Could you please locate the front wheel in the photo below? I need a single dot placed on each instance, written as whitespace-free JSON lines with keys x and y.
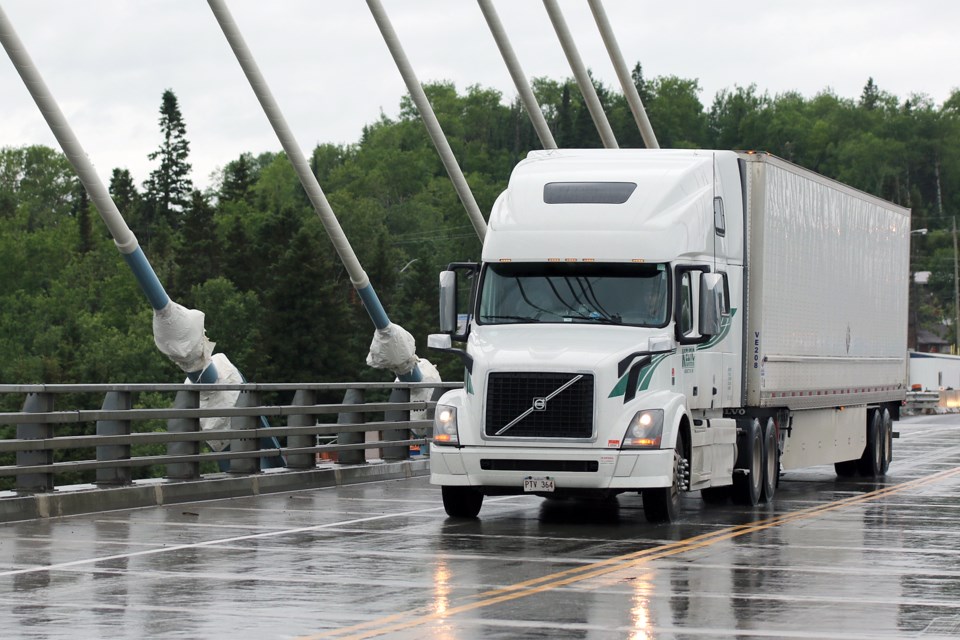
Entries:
{"x":461,"y":502}
{"x":662,"y":504}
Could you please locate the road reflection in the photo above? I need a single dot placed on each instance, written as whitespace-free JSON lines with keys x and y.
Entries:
{"x":640,"y":607}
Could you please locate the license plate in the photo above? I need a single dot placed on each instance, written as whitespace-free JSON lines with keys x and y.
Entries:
{"x":539,"y":485}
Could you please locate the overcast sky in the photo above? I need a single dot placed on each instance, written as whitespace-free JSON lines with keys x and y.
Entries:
{"x":107,"y":62}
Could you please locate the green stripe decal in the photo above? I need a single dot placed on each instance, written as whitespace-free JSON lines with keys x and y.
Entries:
{"x":644,"y":380}
{"x":725,"y":323}
{"x":646,"y":374}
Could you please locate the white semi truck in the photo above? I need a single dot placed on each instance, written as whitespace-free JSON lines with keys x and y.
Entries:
{"x":664,"y":321}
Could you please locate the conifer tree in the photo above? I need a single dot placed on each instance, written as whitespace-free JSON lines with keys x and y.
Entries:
{"x":126,"y":197}
{"x":167,"y":190}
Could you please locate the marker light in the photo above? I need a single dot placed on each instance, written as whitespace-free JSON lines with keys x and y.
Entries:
{"x":645,"y":430}
{"x":445,"y":425}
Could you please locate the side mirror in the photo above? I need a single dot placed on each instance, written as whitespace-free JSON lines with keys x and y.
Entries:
{"x":712,"y":303}
{"x":448,"y":302}
{"x":457,"y":292}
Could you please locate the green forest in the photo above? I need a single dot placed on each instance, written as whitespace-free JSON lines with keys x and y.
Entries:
{"x":252,"y":255}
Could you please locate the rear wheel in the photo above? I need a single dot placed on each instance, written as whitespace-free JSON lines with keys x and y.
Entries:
{"x":771,"y":461}
{"x":886,"y":430}
{"x":871,"y":462}
{"x":662,"y":504}
{"x":461,"y":502}
{"x":748,"y":471}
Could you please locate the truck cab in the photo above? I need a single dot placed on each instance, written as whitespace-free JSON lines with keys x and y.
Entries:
{"x":600,"y":334}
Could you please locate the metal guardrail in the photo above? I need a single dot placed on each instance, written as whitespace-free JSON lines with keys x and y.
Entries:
{"x":110,"y":435}
{"x":926,"y":402}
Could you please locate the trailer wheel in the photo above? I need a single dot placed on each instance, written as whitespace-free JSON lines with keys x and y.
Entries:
{"x":662,"y":504}
{"x":461,"y":502}
{"x":871,"y":462}
{"x":748,"y":471}
{"x":771,"y":461}
{"x":886,"y":426}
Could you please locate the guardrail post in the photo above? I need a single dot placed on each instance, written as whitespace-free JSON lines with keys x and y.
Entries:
{"x":114,"y":401}
{"x":391,"y":435}
{"x":302,"y":398}
{"x":35,"y":403}
{"x":184,"y":470}
{"x":240,"y":445}
{"x":353,"y":456}
{"x":428,"y":415}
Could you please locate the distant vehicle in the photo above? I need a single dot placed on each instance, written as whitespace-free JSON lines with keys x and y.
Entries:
{"x":662,"y":321}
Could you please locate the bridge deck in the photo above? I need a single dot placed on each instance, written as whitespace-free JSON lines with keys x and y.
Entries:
{"x":844,"y":559}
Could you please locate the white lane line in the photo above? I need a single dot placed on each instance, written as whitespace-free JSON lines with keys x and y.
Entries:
{"x":212,"y":543}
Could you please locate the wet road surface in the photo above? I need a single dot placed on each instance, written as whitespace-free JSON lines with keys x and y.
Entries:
{"x":830,"y":559}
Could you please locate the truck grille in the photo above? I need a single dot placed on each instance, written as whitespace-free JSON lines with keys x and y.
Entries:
{"x":569,"y":414}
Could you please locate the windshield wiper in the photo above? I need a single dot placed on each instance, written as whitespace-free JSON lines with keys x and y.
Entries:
{"x":595,"y":317}
{"x":488,"y":318}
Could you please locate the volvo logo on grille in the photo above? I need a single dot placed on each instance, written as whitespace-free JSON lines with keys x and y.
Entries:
{"x":540,"y":404}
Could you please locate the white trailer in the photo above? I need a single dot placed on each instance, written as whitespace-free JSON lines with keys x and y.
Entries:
{"x":934,"y":371}
{"x":665,"y":321}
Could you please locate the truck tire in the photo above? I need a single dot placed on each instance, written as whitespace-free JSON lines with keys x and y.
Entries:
{"x":461,"y":502}
{"x":662,"y":504}
{"x":748,"y":471}
{"x":886,"y":427}
{"x":871,"y":462}
{"x":771,"y":461}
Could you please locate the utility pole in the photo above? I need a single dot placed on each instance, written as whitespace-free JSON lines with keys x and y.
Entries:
{"x":956,"y":289}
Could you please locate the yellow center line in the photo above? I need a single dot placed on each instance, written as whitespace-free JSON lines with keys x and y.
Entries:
{"x":423,"y":615}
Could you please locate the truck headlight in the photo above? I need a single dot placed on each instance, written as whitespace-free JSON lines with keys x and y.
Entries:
{"x":645,"y":430}
{"x":445,"y":425}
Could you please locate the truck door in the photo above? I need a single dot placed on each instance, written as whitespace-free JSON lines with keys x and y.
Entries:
{"x":701,"y":363}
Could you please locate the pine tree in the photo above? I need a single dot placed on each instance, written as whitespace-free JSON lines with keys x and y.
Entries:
{"x":200,"y":250}
{"x":82,"y":214}
{"x":870,"y":95}
{"x":238,"y":178}
{"x":167,"y":190}
{"x":126,"y":197}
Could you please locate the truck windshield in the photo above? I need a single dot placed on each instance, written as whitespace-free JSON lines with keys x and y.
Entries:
{"x":582,"y":292}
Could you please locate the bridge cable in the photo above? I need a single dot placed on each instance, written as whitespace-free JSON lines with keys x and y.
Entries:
{"x":358,"y":277}
{"x":623,"y":74}
{"x":587,"y":89}
{"x":429,"y":118}
{"x":516,"y":72}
